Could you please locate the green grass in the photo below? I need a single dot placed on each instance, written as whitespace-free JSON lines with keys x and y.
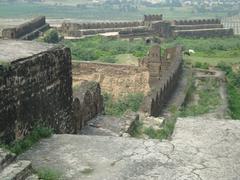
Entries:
{"x":209,"y":99}
{"x":103,"y":49}
{"x":167,"y":128}
{"x":233,"y":89}
{"x":209,"y":50}
{"x":119,"y":106}
{"x":49,"y":174}
{"x":20,"y":146}
{"x":211,"y":61}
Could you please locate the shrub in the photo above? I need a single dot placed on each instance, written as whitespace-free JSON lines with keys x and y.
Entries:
{"x":20,"y":146}
{"x":48,"y":174}
{"x":51,"y":36}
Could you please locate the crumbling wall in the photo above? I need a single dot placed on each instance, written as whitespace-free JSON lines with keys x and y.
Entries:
{"x":115,"y":79}
{"x":165,"y":71}
{"x":87,"y":104}
{"x":36,"y":90}
{"x":26,"y":31}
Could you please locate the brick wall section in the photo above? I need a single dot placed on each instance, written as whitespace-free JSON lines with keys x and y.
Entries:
{"x":87,"y":104}
{"x":36,"y":90}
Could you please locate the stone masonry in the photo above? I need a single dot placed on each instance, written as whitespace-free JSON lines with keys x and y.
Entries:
{"x":164,"y":73}
{"x":87,"y":103}
{"x":26,"y":31}
{"x":35,"y":88}
{"x":152,"y":25}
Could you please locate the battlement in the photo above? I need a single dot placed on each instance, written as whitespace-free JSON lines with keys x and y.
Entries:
{"x":154,"y":17}
{"x":197,"y":22}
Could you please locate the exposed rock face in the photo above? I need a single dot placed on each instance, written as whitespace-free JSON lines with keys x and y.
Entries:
{"x":35,"y":88}
{"x":115,"y":79}
{"x":87,"y":104}
{"x":26,"y":31}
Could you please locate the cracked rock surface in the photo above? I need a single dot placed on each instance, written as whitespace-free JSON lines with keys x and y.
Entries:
{"x":200,"y":150}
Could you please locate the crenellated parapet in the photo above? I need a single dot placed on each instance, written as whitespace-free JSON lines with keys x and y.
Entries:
{"x":164,"y":71}
{"x":87,"y":103}
{"x":197,"y":22}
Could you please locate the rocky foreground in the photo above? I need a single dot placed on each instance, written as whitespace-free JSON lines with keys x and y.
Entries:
{"x":200,"y":149}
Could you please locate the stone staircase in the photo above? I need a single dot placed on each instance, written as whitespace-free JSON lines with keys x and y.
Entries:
{"x":12,"y":169}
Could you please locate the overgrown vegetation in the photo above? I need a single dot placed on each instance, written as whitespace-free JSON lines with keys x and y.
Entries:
{"x":233,"y":89}
{"x":119,"y":106}
{"x":105,"y":49}
{"x":166,"y":130}
{"x":20,"y":146}
{"x":48,"y":174}
{"x":201,"y":65}
{"x":137,"y":129}
{"x":202,"y":100}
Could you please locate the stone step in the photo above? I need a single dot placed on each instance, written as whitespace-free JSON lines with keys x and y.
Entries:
{"x":5,"y":158}
{"x":18,"y":170}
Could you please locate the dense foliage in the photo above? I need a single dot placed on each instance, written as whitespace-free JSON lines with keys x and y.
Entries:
{"x":105,"y":49}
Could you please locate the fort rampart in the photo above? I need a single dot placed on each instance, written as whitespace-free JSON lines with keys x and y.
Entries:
{"x":151,"y":25}
{"x":35,"y":89}
{"x":87,"y":103}
{"x":156,"y":76}
{"x":26,"y":31}
{"x":164,"y":73}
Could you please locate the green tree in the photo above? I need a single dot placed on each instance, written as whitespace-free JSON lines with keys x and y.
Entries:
{"x":51,"y":36}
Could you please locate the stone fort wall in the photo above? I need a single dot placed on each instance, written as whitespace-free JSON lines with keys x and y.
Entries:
{"x":197,"y":22}
{"x":164,"y":73}
{"x":36,"y":90}
{"x":156,"y":76}
{"x":115,"y":79}
{"x":26,"y":31}
{"x":87,"y":103}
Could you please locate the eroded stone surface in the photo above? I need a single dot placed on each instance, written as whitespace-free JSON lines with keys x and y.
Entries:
{"x":28,"y":48}
{"x":200,"y":149}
